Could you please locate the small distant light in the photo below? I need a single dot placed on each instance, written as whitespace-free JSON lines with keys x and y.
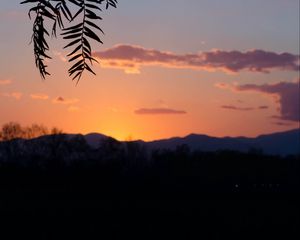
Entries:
{"x":236,"y":185}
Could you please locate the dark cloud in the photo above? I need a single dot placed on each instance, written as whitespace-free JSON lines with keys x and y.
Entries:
{"x":286,"y":94}
{"x":237,"y":108}
{"x":158,"y":111}
{"x":60,"y":99}
{"x":65,"y":101}
{"x":131,"y":58}
{"x":255,"y":60}
{"x":263,"y":107}
{"x":231,"y":107}
{"x":287,"y":124}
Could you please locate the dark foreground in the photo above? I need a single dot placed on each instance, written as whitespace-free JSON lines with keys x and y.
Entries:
{"x":176,"y":195}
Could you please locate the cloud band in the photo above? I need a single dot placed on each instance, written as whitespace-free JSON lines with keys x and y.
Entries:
{"x":131,"y":58}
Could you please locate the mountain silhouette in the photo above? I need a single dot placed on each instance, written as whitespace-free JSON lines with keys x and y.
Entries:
{"x":94,"y":139}
{"x":281,"y":143}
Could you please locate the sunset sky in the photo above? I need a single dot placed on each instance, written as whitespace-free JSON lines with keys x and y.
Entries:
{"x":168,"y":68}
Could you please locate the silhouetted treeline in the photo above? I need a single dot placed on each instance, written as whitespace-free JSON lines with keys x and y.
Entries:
{"x":227,"y":169}
{"x":123,"y":190}
{"x":14,"y":130}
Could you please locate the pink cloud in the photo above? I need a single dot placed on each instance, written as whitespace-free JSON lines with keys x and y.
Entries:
{"x":39,"y":96}
{"x":15,"y":95}
{"x":5,"y":82}
{"x":60,"y":56}
{"x":131,"y":58}
{"x":158,"y":111}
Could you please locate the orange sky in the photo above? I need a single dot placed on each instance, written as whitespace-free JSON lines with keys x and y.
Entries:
{"x":161,"y":76}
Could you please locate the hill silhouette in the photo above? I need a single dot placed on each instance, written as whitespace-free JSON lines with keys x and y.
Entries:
{"x":95,"y":187}
{"x":281,"y":143}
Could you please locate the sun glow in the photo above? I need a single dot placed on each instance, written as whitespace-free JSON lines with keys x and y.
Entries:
{"x":118,"y":128}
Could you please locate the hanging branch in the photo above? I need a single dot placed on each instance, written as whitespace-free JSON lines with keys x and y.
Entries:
{"x":79,"y":35}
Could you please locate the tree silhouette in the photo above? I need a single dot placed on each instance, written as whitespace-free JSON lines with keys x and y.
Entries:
{"x":14,"y":130}
{"x":11,"y":130}
{"x":79,"y":33}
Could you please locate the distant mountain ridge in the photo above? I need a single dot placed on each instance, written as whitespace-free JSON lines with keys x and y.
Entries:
{"x":94,"y":139}
{"x":281,"y":143}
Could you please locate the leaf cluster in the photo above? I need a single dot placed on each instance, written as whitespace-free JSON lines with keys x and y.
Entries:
{"x":79,"y":34}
